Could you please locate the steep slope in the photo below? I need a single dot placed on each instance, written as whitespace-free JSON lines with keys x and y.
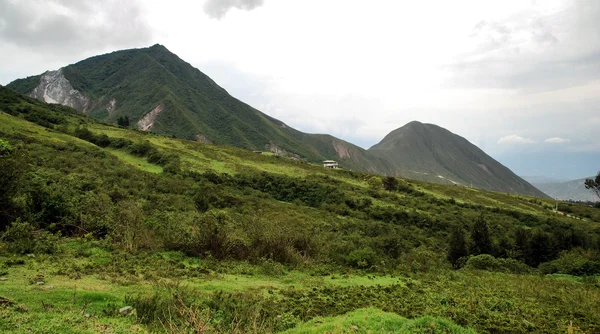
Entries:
{"x":570,"y":190}
{"x":161,"y":93}
{"x":429,"y":152}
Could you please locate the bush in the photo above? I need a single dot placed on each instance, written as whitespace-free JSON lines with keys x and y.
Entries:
{"x":21,"y":238}
{"x":490,"y":263}
{"x":390,"y":183}
{"x":578,"y":262}
{"x":141,"y":149}
{"x":375,"y":182}
{"x":362,"y":257}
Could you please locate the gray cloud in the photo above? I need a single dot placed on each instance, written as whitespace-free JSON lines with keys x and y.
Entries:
{"x":67,"y":26}
{"x":533,"y":52}
{"x":218,"y":8}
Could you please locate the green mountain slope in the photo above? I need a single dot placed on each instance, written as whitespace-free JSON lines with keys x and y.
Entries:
{"x":187,"y":104}
{"x":161,"y":93}
{"x":432,"y":153}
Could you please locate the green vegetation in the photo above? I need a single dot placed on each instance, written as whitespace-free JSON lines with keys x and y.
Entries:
{"x":203,"y":238}
{"x":182,"y":102}
{"x":594,"y":185}
{"x":193,"y":106}
{"x":372,"y":320}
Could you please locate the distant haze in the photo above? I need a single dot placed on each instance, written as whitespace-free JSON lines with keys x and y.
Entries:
{"x":519,"y":79}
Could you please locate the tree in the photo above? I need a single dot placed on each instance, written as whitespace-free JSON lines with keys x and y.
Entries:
{"x":123,"y":121}
{"x":539,"y":248}
{"x":458,"y":247}
{"x":480,"y":236}
{"x":390,"y":183}
{"x":594,"y":185}
{"x":12,"y":169}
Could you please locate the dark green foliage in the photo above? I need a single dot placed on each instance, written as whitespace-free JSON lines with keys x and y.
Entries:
{"x":594,"y":185}
{"x":480,"y":238}
{"x":539,"y":249}
{"x":458,"y":247}
{"x":83,"y":133}
{"x":123,"y":121}
{"x":25,"y":86}
{"x":390,"y":183}
{"x":362,"y":258}
{"x":11,"y":181}
{"x":490,"y":263}
{"x":289,"y":189}
{"x":22,"y":238}
{"x":578,"y":262}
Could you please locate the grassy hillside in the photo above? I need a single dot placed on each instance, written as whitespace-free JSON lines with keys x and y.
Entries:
{"x":185,"y":103}
{"x":199,"y":237}
{"x":429,"y":152}
{"x":135,"y":82}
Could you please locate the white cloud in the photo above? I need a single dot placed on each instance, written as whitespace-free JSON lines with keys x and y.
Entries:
{"x":515,"y":139}
{"x":556,"y":140}
{"x":218,"y":8}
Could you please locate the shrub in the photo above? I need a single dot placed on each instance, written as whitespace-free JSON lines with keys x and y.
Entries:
{"x":577,"y":262}
{"x":374,"y":182}
{"x":390,"y":183}
{"x":490,"y":263}
{"x":362,"y":257}
{"x":141,"y":149}
{"x":23,"y":239}
{"x":102,"y":140}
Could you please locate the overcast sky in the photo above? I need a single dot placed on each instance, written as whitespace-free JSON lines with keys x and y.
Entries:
{"x":518,"y":78}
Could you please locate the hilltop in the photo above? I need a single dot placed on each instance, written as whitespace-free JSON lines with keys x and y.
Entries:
{"x":432,"y":153}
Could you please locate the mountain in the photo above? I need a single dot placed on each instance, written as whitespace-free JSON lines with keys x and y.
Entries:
{"x":570,"y":190}
{"x":159,"y":92}
{"x":536,"y":179}
{"x":431,"y":153}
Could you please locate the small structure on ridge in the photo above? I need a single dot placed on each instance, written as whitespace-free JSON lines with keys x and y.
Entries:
{"x":330,"y":164}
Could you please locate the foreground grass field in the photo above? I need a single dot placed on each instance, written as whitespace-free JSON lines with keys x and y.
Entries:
{"x":85,"y":286}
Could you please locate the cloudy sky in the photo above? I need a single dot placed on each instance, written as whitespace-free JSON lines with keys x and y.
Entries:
{"x":518,"y":78}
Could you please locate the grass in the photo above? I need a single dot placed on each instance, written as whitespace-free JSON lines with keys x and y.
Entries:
{"x":373,"y":320}
{"x":89,"y":284}
{"x":62,"y":304}
{"x":138,"y":162}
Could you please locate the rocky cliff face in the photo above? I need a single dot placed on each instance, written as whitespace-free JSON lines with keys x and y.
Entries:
{"x":55,"y":88}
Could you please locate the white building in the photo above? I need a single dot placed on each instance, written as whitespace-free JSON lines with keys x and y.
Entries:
{"x":330,"y":164}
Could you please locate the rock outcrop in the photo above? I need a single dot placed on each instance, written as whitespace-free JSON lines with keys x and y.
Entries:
{"x":146,"y":122}
{"x":55,"y":88}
